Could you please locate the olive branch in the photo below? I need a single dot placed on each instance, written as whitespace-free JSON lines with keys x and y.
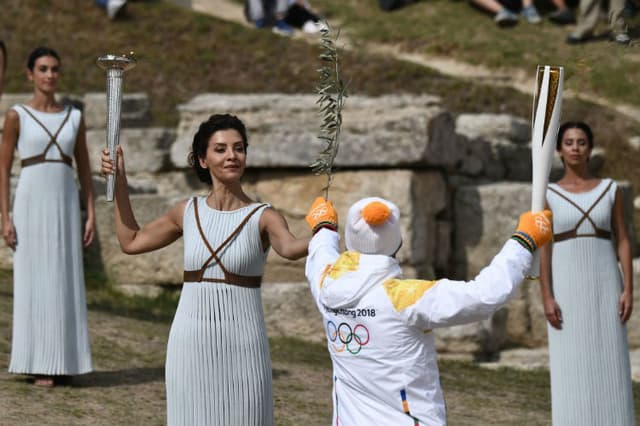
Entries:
{"x":332,"y":92}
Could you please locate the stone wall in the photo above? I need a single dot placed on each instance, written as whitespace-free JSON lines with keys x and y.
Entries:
{"x":460,"y":184}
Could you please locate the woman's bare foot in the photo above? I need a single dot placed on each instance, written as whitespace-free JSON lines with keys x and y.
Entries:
{"x":44,"y":381}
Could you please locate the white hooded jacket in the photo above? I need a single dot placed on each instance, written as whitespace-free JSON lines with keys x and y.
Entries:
{"x":378,"y":328}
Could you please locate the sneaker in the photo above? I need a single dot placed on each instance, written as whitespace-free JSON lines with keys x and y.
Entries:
{"x":622,"y":38}
{"x":259,"y":23}
{"x":282,"y":28}
{"x":530,"y":13}
{"x":115,"y":8}
{"x":562,"y":17}
{"x":506,"y":18}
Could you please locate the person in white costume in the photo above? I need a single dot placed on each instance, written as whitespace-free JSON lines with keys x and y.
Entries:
{"x":379,"y":326}
{"x":218,"y":370}
{"x":45,"y":228}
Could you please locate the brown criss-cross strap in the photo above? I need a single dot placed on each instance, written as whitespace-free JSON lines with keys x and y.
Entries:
{"x":229,"y":277}
{"x":573,"y":233}
{"x":36,"y":159}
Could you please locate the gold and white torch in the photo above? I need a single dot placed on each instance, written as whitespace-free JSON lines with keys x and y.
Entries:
{"x":545,"y":120}
{"x":115,"y":67}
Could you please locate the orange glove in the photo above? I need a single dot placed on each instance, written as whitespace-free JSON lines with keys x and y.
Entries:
{"x":534,"y":230}
{"x":322,"y":215}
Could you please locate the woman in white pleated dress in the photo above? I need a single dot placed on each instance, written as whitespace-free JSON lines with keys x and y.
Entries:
{"x":50,"y":336}
{"x":218,"y":370}
{"x":587,"y":301}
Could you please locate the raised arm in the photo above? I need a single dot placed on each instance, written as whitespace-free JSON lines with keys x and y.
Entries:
{"x":447,"y":302}
{"x":133,"y":239}
{"x":281,"y":239}
{"x":81,"y":154}
{"x":624,"y":256}
{"x":9,"y":142}
{"x":324,"y":247}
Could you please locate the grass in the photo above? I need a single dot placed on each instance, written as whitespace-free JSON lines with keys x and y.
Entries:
{"x":128,"y":384}
{"x":453,"y":28}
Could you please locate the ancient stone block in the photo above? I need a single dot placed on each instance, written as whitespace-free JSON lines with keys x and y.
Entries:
{"x":162,"y":266}
{"x":389,"y":131}
{"x":145,"y":149}
{"x":135,"y":110}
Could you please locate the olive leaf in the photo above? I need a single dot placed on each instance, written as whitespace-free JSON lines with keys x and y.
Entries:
{"x":332,"y":93}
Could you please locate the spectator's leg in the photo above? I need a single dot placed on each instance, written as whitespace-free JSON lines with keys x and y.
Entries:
{"x":280,"y":26}
{"x":562,"y":15}
{"x":588,"y":13}
{"x":616,"y":18}
{"x":530,"y":12}
{"x":255,"y":11}
{"x":489,"y":5}
{"x":502,"y":16}
{"x":281,"y":8}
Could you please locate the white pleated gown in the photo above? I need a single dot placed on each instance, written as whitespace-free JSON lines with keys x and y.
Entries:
{"x":50,"y":333}
{"x":218,"y":369}
{"x":589,"y":357}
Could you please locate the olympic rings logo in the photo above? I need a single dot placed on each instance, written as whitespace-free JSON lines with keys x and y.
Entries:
{"x":344,"y":337}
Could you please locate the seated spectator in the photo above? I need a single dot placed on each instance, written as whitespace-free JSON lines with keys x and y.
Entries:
{"x":506,"y":11}
{"x":283,"y":16}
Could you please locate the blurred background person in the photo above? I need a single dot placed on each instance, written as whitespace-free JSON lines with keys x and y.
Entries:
{"x":269,"y":13}
{"x":588,"y":17}
{"x":505,"y":12}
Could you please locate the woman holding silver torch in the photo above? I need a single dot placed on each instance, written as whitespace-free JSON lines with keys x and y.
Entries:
{"x":587,"y":302}
{"x":50,"y":335}
{"x":218,"y":370}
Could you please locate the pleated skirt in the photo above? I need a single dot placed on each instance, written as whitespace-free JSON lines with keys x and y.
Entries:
{"x":218,"y":369}
{"x":50,"y":332}
{"x":589,"y":357}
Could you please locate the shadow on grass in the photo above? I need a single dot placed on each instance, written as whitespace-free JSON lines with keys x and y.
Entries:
{"x":277,"y":373}
{"x":127,"y":376}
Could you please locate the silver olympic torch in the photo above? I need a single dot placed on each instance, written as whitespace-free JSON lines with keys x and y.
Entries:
{"x":115,"y":67}
{"x":545,"y":121}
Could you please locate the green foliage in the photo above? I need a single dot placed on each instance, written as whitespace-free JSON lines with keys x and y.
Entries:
{"x":332,"y":93}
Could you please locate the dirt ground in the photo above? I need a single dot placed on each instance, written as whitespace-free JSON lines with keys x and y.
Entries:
{"x":127,"y":386}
